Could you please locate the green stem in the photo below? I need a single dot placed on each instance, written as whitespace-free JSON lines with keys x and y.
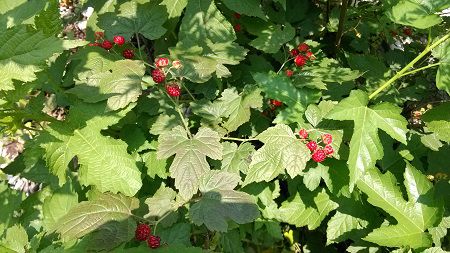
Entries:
{"x":139,"y":46}
{"x":422,"y":68}
{"x":190,"y":94}
{"x":159,"y":220}
{"x":284,"y":63}
{"x":238,"y":139}
{"x":407,"y":67}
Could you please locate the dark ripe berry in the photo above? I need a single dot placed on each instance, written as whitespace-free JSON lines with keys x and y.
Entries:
{"x":294,"y":52}
{"x":312,"y":145}
{"x":161,"y":62}
{"x":303,"y":47}
{"x":319,"y":156}
{"x":328,"y":150}
{"x":237,"y":27}
{"x":158,"y":76}
{"x":128,"y":53}
{"x":310,"y":56}
{"x":276,"y":103}
{"x":407,"y":31}
{"x":289,"y":73}
{"x":303,"y":133}
{"x":237,"y":15}
{"x":119,"y":40}
{"x":142,"y":232}
{"x":300,"y":60}
{"x":107,"y":44}
{"x":154,"y":241}
{"x":327,"y":139}
{"x":173,"y":90}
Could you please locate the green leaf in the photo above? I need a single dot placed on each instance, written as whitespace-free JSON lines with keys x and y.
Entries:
{"x":266,"y":193}
{"x":104,"y":212}
{"x":282,"y":150}
{"x":166,"y":249}
{"x":341,"y":224}
{"x":155,"y":167}
{"x":49,"y":20}
{"x":434,"y":250}
{"x":273,"y":37}
{"x":58,"y":205}
{"x":135,"y":18}
{"x":174,"y":7}
{"x":250,"y":8}
{"x":16,"y":239}
{"x":231,"y":242}
{"x":220,"y":203}
{"x":421,"y":14}
{"x":11,"y":201}
{"x":118,"y":82}
{"x":443,"y":73}
{"x":108,"y":237}
{"x":162,"y":202}
{"x":439,"y":232}
{"x":438,"y":121}
{"x":236,"y":159}
{"x":18,"y":12}
{"x":365,"y":145}
{"x":178,"y":234}
{"x":329,"y":71}
{"x":313,"y":176}
{"x":203,"y":22}
{"x":190,"y":162}
{"x":414,"y":217}
{"x":23,"y":52}
{"x":296,"y":212}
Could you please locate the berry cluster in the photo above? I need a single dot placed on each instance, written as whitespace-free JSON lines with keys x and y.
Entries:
{"x":118,"y":40}
{"x":160,"y":72}
{"x":302,"y":54}
{"x":237,"y":27}
{"x":274,"y":104}
{"x":144,"y":233}
{"x":319,"y":153}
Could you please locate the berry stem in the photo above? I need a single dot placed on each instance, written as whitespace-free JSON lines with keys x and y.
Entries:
{"x":190,"y":94}
{"x":139,"y":46}
{"x":284,"y":63}
{"x":419,"y":69}
{"x":410,"y":65}
{"x":159,"y":220}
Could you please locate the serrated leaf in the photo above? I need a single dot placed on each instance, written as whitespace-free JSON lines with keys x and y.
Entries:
{"x":414,"y":217}
{"x":231,"y":242}
{"x":155,"y":167}
{"x":16,"y":239}
{"x":190,"y":162}
{"x":273,"y":37}
{"x":236,"y":159}
{"x":109,"y":237}
{"x":439,"y":232}
{"x":58,"y":205}
{"x":313,"y":176}
{"x":162,"y":202}
{"x":282,"y":150}
{"x":438,"y":121}
{"x":135,"y":18}
{"x":49,"y":20}
{"x":442,"y":52}
{"x":178,"y":234}
{"x":13,"y":13}
{"x":88,"y":216}
{"x":174,"y":7}
{"x":250,"y":8}
{"x":23,"y":53}
{"x":342,"y":223}
{"x":220,"y":203}
{"x":117,"y":82}
{"x":421,"y":14}
{"x":295,"y":211}
{"x":203,"y":22}
{"x":330,"y":71}
{"x":365,"y":145}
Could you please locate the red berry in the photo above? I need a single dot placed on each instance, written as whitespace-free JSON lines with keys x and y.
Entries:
{"x":99,"y":35}
{"x":119,"y":40}
{"x":173,"y":90}
{"x":407,"y":31}
{"x":237,"y":27}
{"x":294,"y":52}
{"x":94,"y":44}
{"x":319,"y":156}
{"x":327,"y":139}
{"x":303,"y":133}
{"x":107,"y":44}
{"x":154,"y":241}
{"x":158,"y":76}
{"x":161,"y":62}
{"x":310,"y":55}
{"x":276,"y":103}
{"x":328,"y":150}
{"x":128,"y":53}
{"x":303,"y":47}
{"x":289,"y":73}
{"x":237,"y":15}
{"x":142,"y":232}
{"x":300,"y":60}
{"x":312,"y":145}
{"x":394,"y":33}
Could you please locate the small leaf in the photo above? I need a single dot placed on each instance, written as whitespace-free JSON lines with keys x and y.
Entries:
{"x":16,"y":239}
{"x":58,"y":205}
{"x":162,"y":202}
{"x":190,"y":162}
{"x":421,"y":14}
{"x":438,"y":121}
{"x":236,"y":159}
{"x":174,"y":7}
{"x":273,"y":37}
{"x":250,"y":8}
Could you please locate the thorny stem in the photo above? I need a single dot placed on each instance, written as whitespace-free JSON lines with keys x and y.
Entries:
{"x":410,"y":65}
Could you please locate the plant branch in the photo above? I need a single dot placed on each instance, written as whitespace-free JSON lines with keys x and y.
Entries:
{"x":139,"y":46}
{"x":341,"y":23}
{"x":419,"y":69}
{"x":239,"y":139}
{"x":407,"y":67}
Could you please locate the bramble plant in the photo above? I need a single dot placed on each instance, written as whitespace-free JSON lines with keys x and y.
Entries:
{"x":225,"y":126}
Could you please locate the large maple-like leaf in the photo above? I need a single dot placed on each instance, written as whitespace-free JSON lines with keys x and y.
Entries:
{"x":282,"y":150}
{"x":422,"y":210}
{"x":190,"y":162}
{"x":220,"y":203}
{"x":365,"y":145}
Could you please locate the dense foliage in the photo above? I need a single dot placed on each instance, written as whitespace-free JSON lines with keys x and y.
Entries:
{"x":227,"y":126}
